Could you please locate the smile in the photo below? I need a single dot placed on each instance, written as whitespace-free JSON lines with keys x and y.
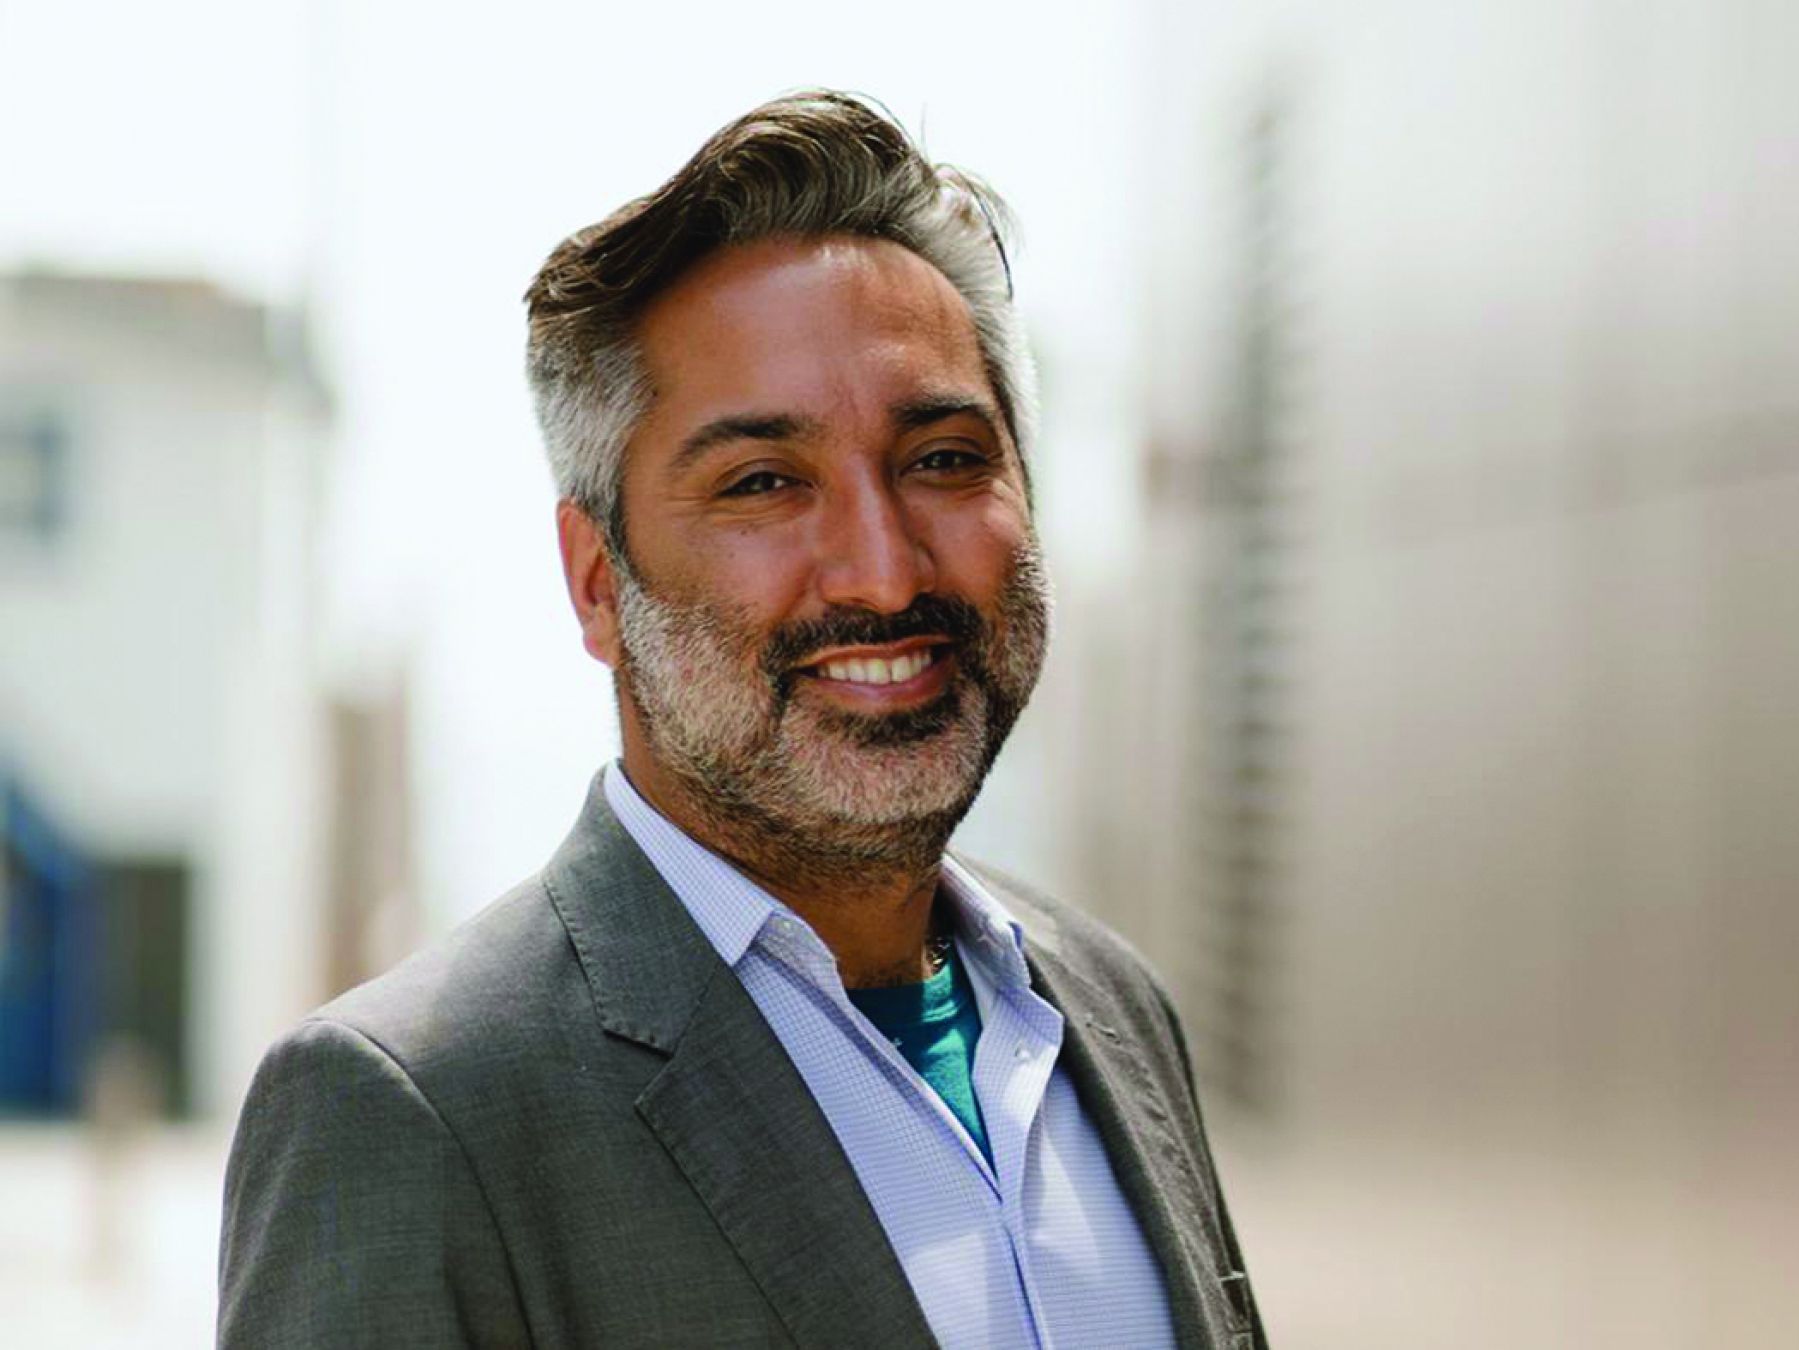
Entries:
{"x":888,"y":678}
{"x":875,"y":669}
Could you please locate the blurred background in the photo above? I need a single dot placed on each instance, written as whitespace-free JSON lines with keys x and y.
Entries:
{"x":1420,"y":476}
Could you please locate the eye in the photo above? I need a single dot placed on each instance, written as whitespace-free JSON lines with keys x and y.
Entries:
{"x":950,"y":459}
{"x":758,"y":484}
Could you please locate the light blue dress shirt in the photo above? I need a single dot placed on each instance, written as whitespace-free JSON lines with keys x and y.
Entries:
{"x":1038,"y":1250}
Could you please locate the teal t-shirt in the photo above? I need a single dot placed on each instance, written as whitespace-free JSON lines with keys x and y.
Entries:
{"x":935,"y":1026}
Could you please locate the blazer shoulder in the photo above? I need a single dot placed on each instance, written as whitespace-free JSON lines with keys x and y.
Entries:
{"x":496,"y":978}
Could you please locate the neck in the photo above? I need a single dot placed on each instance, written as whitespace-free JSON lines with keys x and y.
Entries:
{"x":869,"y":898}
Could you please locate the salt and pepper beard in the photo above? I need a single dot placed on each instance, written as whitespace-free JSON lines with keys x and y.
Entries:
{"x":783,"y":779}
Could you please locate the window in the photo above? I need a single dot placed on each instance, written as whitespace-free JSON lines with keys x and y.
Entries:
{"x":34,"y":452}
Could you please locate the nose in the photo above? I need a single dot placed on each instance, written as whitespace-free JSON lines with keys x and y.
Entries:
{"x":871,"y":554}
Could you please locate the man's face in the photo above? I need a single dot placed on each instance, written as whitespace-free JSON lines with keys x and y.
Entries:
{"x":833,"y":610}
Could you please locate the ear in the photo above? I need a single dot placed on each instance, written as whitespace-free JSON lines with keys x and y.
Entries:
{"x":587,"y":568}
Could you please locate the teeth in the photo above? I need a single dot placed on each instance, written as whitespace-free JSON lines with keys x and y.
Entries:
{"x":863,"y":670}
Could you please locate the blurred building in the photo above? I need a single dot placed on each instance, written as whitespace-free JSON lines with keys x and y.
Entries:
{"x":162,"y":729}
{"x":1453,"y":772}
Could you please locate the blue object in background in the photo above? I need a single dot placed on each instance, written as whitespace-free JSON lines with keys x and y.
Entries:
{"x":51,"y":977}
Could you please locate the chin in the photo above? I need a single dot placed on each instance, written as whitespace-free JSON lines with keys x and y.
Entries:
{"x":870,"y":775}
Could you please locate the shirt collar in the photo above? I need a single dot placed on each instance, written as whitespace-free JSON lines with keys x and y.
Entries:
{"x":736,"y":914}
{"x":987,"y":929}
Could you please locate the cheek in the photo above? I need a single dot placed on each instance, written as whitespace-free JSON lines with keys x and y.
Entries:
{"x":975,"y":549}
{"x":759,"y":576}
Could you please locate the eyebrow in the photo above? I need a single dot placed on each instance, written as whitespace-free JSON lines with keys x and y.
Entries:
{"x":911,"y":415}
{"x":740,"y":427}
{"x":915,"y":414}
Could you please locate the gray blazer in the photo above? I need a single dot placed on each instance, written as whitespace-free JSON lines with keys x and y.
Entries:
{"x":568,"y":1125}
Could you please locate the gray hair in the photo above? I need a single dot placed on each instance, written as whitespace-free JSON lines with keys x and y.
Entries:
{"x":809,"y":164}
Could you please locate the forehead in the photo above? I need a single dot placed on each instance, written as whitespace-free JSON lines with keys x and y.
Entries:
{"x":830,"y":327}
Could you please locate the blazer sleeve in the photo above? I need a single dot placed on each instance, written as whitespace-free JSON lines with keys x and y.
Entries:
{"x":352,"y":1216}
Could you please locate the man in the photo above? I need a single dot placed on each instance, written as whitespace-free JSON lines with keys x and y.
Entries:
{"x":752,"y":1061}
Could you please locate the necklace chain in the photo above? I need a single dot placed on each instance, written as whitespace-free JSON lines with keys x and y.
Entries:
{"x":937,"y":949}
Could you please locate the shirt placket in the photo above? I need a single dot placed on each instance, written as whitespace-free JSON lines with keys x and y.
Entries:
{"x":1013,"y":1063}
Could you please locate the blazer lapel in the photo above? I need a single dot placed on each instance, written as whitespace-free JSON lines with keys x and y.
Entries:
{"x":729,"y":1106}
{"x":738,"y":1120}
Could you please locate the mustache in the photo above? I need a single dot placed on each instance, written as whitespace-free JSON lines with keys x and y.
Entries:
{"x":934,"y":615}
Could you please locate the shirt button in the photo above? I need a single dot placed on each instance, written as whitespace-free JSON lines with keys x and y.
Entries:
{"x":1022,"y":1053}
